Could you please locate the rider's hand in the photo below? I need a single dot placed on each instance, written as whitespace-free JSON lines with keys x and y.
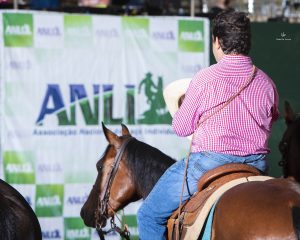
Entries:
{"x":180,"y":100}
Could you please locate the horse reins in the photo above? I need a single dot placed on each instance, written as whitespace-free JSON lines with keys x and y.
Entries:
{"x":103,"y":198}
{"x":251,"y":77}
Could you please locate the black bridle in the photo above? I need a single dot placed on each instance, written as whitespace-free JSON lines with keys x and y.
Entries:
{"x":284,"y":149}
{"x":103,"y":198}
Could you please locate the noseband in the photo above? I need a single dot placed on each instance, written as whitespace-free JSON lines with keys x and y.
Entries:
{"x":103,"y":198}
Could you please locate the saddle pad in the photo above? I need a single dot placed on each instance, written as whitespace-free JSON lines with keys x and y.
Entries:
{"x":206,"y":234}
{"x":194,"y":231}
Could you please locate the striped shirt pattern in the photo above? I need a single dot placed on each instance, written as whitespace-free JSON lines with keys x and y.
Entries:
{"x":242,"y":127}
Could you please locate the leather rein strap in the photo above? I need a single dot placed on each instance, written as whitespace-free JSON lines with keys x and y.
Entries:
{"x":102,"y":206}
{"x":114,"y":169}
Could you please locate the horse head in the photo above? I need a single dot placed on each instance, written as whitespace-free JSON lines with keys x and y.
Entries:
{"x":114,"y":187}
{"x":289,"y":145}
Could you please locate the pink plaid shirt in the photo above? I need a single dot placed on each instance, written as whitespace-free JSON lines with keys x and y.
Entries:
{"x":242,"y":127}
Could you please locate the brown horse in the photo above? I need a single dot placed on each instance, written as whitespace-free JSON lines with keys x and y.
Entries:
{"x":289,"y":146}
{"x":17,"y":219}
{"x":129,"y":169}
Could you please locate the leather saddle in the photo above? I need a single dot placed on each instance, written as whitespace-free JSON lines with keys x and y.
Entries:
{"x":207,"y":185}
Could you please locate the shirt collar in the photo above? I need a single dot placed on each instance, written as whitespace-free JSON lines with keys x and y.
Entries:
{"x":236,"y":59}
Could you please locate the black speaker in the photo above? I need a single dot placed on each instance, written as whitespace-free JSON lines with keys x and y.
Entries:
{"x":120,"y":2}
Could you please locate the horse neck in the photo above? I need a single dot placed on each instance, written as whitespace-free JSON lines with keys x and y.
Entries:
{"x":293,"y":166}
{"x":291,"y":157}
{"x":293,"y":151}
{"x":147,"y":164}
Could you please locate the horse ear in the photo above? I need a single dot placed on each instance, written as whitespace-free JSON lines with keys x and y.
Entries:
{"x":125,"y":130}
{"x":289,"y":114}
{"x":111,"y":137}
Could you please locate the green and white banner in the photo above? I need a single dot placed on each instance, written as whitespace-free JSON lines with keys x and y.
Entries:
{"x":61,"y":76}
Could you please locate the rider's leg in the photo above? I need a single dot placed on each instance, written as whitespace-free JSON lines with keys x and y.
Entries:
{"x":164,"y":198}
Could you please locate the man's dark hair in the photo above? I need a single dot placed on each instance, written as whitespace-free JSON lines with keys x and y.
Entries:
{"x":234,"y":33}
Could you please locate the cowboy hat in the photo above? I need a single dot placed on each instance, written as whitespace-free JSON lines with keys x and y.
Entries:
{"x":173,"y":92}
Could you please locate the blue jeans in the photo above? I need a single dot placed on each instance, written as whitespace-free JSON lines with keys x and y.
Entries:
{"x":164,"y":198}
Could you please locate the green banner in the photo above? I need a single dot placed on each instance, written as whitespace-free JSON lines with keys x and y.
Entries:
{"x":191,"y":36}
{"x":18,"y":30}
{"x":65,"y":74}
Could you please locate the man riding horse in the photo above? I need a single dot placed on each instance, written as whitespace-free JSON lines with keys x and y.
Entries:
{"x":229,"y":108}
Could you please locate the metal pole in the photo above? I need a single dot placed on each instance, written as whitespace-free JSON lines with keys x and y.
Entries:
{"x":15,"y":4}
{"x":192,"y":8}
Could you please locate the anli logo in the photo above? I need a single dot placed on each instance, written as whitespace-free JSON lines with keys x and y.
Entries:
{"x":191,"y":36}
{"x":52,"y":234}
{"x":53,"y":103}
{"x":49,"y":167}
{"x":77,"y":200}
{"x":19,"y":168}
{"x":79,"y":31}
{"x":77,"y":233}
{"x":163,"y":35}
{"x":49,"y":32}
{"x":18,"y":30}
{"x":48,"y":201}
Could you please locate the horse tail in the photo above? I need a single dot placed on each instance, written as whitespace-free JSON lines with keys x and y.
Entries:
{"x":296,"y":220}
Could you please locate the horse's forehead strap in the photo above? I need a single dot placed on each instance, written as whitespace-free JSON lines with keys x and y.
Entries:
{"x":124,"y":143}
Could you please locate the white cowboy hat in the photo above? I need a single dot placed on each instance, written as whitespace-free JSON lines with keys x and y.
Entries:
{"x":173,"y":92}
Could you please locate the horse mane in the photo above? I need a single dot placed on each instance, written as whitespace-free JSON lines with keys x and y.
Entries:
{"x":16,"y":215}
{"x":146,"y":164}
{"x":7,"y":220}
{"x":289,"y":148}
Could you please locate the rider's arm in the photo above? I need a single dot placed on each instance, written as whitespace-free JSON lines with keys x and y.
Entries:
{"x":275,"y":110}
{"x":186,"y":118}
